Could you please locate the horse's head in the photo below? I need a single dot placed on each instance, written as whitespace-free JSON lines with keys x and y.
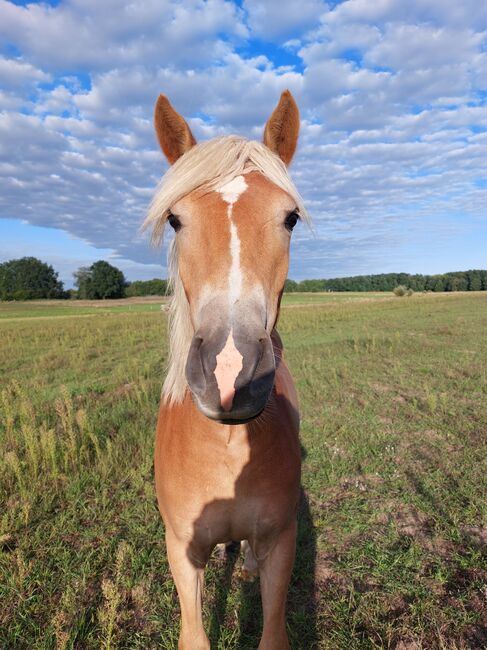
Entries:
{"x":231,"y":250}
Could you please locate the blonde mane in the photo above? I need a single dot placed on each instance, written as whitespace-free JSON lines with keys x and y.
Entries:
{"x":205,"y":167}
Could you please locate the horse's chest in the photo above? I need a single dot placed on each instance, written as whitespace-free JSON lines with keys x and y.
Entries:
{"x":229,"y":493}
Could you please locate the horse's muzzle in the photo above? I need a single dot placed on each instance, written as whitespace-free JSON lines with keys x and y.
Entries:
{"x":231,"y":373}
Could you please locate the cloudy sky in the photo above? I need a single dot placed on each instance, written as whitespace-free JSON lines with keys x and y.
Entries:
{"x":392,"y":161}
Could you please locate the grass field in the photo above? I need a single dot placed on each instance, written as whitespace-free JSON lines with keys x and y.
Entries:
{"x":53,"y":308}
{"x":393,"y":524}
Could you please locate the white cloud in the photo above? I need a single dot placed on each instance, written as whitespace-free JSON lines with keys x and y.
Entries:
{"x":446,"y":12}
{"x":15,"y":74}
{"x":269,"y":19}
{"x":390,"y":96}
{"x":413,"y":47}
{"x":100,"y":35}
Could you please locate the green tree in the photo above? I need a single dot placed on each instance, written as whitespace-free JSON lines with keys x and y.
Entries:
{"x":82,"y":279}
{"x":28,"y":278}
{"x":312,"y":285}
{"x":100,"y":280}
{"x":290,"y":286}
{"x":456,"y":282}
{"x":436,"y":283}
{"x":155,"y":287}
{"x":474,"y":280}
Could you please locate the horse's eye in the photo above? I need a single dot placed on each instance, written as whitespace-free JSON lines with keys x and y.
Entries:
{"x":174,"y":221}
{"x":291,"y":220}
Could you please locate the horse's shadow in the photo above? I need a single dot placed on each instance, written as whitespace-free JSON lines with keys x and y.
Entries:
{"x":301,"y":602}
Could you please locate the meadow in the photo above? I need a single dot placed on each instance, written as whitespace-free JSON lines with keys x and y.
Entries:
{"x":393,"y":520}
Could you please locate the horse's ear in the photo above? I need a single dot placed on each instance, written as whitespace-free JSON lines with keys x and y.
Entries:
{"x":173,"y":133}
{"x":282,"y":129}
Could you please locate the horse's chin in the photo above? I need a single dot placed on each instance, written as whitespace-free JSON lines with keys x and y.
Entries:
{"x":240,"y":416}
{"x":237,"y":420}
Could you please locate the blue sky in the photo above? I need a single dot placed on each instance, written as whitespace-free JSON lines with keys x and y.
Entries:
{"x":392,"y":160}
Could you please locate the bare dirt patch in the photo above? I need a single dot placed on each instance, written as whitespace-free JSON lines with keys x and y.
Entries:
{"x":326,"y":574}
{"x":415,"y":525}
{"x":476,"y":534}
{"x":408,"y":645}
{"x":382,"y":388}
{"x":121,"y":391}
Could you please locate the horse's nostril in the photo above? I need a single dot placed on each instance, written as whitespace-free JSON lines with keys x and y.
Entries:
{"x":194,"y":367}
{"x":261,"y":385}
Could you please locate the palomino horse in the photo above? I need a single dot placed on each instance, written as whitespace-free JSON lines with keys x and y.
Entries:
{"x":227,"y":456}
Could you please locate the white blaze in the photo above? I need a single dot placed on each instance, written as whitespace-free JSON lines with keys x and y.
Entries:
{"x":229,"y":361}
{"x":235,"y":276}
{"x":231,"y":192}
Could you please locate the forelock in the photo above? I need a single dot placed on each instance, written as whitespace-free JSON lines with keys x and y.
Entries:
{"x":211,"y":164}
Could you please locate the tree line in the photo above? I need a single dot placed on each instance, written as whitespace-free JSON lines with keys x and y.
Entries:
{"x":28,"y":278}
{"x":473,"y":280}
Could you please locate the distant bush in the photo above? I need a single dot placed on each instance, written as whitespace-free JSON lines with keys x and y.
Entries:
{"x":400,"y":290}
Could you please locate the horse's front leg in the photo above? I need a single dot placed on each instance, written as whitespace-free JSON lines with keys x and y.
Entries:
{"x":275,"y":570}
{"x":188,"y":574}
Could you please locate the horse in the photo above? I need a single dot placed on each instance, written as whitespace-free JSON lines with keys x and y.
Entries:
{"x":227,"y":453}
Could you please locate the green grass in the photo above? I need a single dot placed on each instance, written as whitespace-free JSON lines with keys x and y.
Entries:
{"x":393,"y":525}
{"x":320,"y":298}
{"x":53,"y":308}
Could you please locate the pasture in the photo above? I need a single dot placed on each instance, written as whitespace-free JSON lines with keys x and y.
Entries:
{"x":393,"y":522}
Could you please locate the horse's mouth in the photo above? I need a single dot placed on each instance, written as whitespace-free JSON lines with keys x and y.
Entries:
{"x":237,"y":420}
{"x":239,"y":416}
